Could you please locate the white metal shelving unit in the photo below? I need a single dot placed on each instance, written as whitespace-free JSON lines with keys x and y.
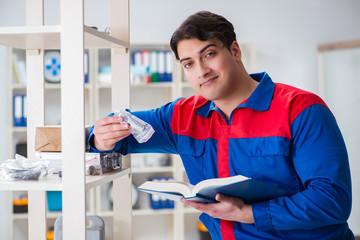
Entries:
{"x":71,"y":37}
{"x":18,"y":134}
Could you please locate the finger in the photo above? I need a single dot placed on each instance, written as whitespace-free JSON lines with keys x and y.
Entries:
{"x":219,"y":197}
{"x":115,"y":127}
{"x":108,"y":144}
{"x":113,"y":135}
{"x":203,"y":207}
{"x":109,"y":120}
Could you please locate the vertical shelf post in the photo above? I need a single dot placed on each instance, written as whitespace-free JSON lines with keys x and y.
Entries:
{"x":73,"y":118}
{"x":36,"y":117}
{"x":10,"y":140}
{"x":120,"y":96}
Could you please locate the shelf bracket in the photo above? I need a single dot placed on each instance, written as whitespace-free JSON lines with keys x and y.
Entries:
{"x":33,"y":52}
{"x":120,"y":50}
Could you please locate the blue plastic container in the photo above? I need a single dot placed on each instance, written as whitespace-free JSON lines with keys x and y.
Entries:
{"x":54,"y":200}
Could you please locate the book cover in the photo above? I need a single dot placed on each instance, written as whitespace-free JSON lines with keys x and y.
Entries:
{"x":248,"y":189}
{"x":18,"y":111}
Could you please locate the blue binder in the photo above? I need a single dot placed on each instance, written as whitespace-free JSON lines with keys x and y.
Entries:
{"x":18,"y":110}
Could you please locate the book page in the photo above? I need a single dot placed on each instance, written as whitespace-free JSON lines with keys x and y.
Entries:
{"x":216,"y":182}
{"x":182,"y":188}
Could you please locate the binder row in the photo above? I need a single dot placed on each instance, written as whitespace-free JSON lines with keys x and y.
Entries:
{"x":19,"y":110}
{"x":151,"y":66}
{"x":157,"y":202}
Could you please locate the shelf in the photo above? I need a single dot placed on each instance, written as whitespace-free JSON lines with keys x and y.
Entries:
{"x":141,"y":212}
{"x":153,"y":169}
{"x":19,"y":129}
{"x":185,"y":84}
{"x":48,"y":37}
{"x":94,"y":181}
{"x":25,"y":216}
{"x":18,"y":87}
{"x":150,"y":212}
{"x":47,"y":86}
{"x":153,"y":85}
{"x":149,"y":85}
{"x":53,"y":183}
{"x":20,"y":216}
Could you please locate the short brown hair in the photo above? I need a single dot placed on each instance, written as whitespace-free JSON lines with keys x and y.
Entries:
{"x":204,"y":25}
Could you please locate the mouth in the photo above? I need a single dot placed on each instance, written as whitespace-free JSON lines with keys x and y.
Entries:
{"x":208,"y":81}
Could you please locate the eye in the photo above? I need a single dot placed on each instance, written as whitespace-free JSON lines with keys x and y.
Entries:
{"x":187,"y":65}
{"x":209,"y":54}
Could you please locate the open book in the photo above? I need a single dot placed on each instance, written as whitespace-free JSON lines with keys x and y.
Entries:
{"x":248,"y":189}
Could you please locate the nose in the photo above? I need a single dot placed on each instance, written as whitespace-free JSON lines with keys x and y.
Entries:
{"x":203,"y":70}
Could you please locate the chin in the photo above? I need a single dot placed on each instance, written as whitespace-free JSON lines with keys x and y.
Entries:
{"x":208,"y":97}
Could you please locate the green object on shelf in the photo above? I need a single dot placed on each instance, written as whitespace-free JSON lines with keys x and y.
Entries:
{"x":155,"y":77}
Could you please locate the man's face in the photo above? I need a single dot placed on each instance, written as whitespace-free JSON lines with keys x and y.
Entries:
{"x":210,"y":67}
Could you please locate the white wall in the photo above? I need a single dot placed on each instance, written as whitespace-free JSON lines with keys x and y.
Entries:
{"x":286,"y":32}
{"x":341,"y":93}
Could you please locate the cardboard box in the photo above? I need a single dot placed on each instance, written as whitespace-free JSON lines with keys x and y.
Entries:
{"x":48,"y":138}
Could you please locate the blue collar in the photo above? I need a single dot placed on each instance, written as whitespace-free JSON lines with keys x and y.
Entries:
{"x":259,"y":100}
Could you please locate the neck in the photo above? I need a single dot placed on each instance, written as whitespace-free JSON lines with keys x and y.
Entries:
{"x":245,"y":89}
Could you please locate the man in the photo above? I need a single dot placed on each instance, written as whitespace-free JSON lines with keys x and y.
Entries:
{"x":246,"y":124}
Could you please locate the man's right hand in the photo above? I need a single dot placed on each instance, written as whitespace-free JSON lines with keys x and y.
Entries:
{"x":107,"y":131}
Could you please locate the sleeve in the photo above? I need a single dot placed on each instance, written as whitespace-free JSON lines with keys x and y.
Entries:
{"x":320,"y":159}
{"x":161,"y":141}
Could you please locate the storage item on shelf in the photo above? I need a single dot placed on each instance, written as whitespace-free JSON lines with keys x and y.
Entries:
{"x":103,"y":162}
{"x":20,"y":205}
{"x":54,"y":200}
{"x":19,"y":70}
{"x":22,"y":168}
{"x":149,"y":65}
{"x":134,"y":195}
{"x":105,"y":74}
{"x":52,"y":61}
{"x":157,"y":202}
{"x":95,"y":163}
{"x":21,"y":148}
{"x":19,"y":110}
{"x":48,"y":138}
{"x":95,"y":230}
{"x":50,"y":234}
{"x":144,"y":160}
{"x":157,"y":160}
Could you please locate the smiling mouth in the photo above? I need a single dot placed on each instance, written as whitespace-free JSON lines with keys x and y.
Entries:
{"x":207,"y":82}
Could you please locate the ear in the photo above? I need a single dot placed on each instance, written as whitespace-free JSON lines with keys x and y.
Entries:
{"x":235,"y":51}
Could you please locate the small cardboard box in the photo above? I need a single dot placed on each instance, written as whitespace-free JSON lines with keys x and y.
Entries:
{"x":48,"y":138}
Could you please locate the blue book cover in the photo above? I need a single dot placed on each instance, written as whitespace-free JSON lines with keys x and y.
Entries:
{"x":24,"y":111}
{"x":18,"y":111}
{"x":248,"y":189}
{"x":169,"y":66}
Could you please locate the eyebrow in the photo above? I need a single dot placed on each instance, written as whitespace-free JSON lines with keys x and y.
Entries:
{"x":201,"y":51}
